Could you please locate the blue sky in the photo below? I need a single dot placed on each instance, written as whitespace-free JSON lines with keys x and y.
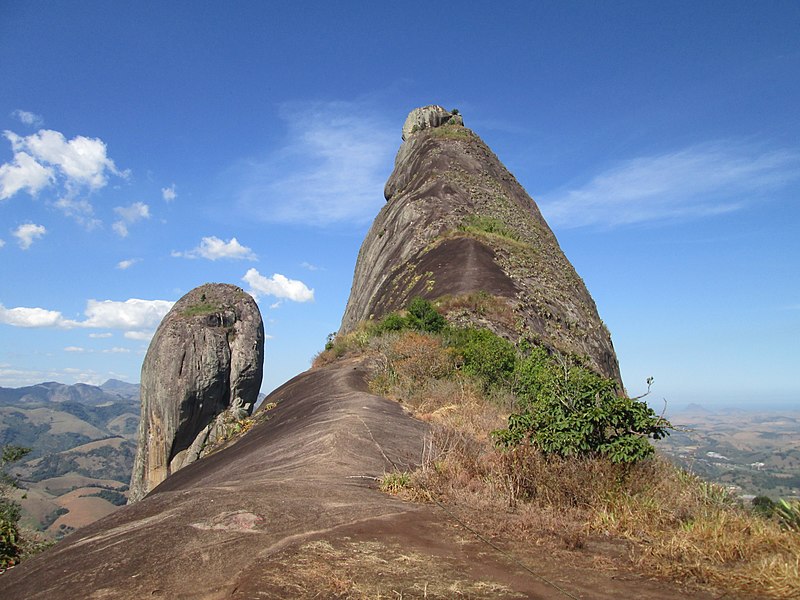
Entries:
{"x":152,"y":147}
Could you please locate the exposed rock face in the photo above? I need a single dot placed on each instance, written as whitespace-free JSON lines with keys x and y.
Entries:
{"x":427,"y":117}
{"x":456,"y":222}
{"x":205,"y":360}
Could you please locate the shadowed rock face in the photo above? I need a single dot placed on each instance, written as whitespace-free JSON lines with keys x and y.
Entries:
{"x":206,"y":358}
{"x":457,"y":222}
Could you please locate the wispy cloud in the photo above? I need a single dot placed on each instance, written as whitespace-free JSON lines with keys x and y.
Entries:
{"x":214,"y":248}
{"x":168,"y":193}
{"x":331,"y":168}
{"x":699,"y":181}
{"x":278,"y":285}
{"x":79,"y":209}
{"x":28,"y":118}
{"x":133,"y":213}
{"x":127,"y":264}
{"x":27,"y":233}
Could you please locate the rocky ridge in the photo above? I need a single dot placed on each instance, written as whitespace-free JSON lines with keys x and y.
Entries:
{"x":204,"y":364}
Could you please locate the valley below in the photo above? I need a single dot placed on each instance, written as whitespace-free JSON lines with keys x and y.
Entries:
{"x":751,"y":452}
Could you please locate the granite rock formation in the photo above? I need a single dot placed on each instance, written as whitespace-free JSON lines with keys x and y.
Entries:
{"x":427,"y":117}
{"x":456,"y":222}
{"x":204,"y":362}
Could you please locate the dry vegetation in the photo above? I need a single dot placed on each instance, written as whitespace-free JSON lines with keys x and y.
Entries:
{"x":673,"y":524}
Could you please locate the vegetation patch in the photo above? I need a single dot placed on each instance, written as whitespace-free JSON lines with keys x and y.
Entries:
{"x":451,"y":130}
{"x":114,"y":497}
{"x":484,"y":224}
{"x":201,"y":308}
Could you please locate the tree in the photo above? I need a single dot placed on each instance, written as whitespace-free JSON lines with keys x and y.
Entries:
{"x":9,"y":509}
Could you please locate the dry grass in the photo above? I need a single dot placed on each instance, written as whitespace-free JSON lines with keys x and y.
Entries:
{"x":678,"y":526}
{"x":371,"y":570}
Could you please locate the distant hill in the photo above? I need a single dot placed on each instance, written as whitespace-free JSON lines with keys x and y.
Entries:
{"x":83,"y":441}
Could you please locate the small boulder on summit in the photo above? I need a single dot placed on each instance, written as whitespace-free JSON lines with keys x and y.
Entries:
{"x":204,"y":363}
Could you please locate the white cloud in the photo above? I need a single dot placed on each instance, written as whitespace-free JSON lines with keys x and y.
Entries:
{"x":332,"y":167}
{"x":47,"y":158}
{"x":116,"y":350}
{"x":698,"y":181}
{"x":24,"y":173}
{"x":28,"y":118}
{"x":139,"y":335}
{"x":129,"y":215}
{"x":126,"y":264}
{"x":101,"y":335}
{"x":214,"y":248}
{"x":27,"y":233}
{"x":81,"y":160}
{"x":74,"y":349}
{"x":278,"y":286}
{"x":168,"y":193}
{"x":134,"y":315}
{"x":2,"y":243}
{"x":310,"y":267}
{"x":33,"y":317}
{"x":130,"y":315}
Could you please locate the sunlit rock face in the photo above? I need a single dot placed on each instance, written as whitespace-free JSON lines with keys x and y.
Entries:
{"x":457,"y":223}
{"x":205,"y":359}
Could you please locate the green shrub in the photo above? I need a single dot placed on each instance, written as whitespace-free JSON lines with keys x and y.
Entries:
{"x":486,"y":356}
{"x":424,"y":317}
{"x":391,"y":322}
{"x":569,"y":410}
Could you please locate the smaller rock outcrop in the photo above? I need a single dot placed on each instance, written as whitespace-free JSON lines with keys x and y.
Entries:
{"x":203,"y":367}
{"x":427,"y":117}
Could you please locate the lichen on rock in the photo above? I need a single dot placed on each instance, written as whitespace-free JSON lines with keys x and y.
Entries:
{"x":204,"y":364}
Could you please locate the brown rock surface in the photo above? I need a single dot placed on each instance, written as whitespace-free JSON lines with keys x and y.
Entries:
{"x":291,"y":511}
{"x":206,"y":358}
{"x":456,"y":221}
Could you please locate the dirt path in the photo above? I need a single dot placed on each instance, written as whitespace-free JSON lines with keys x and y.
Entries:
{"x":292,"y":511}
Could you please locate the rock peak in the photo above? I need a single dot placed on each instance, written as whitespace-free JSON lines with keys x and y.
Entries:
{"x":458,"y":226}
{"x":429,"y":116}
{"x":204,"y":362}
